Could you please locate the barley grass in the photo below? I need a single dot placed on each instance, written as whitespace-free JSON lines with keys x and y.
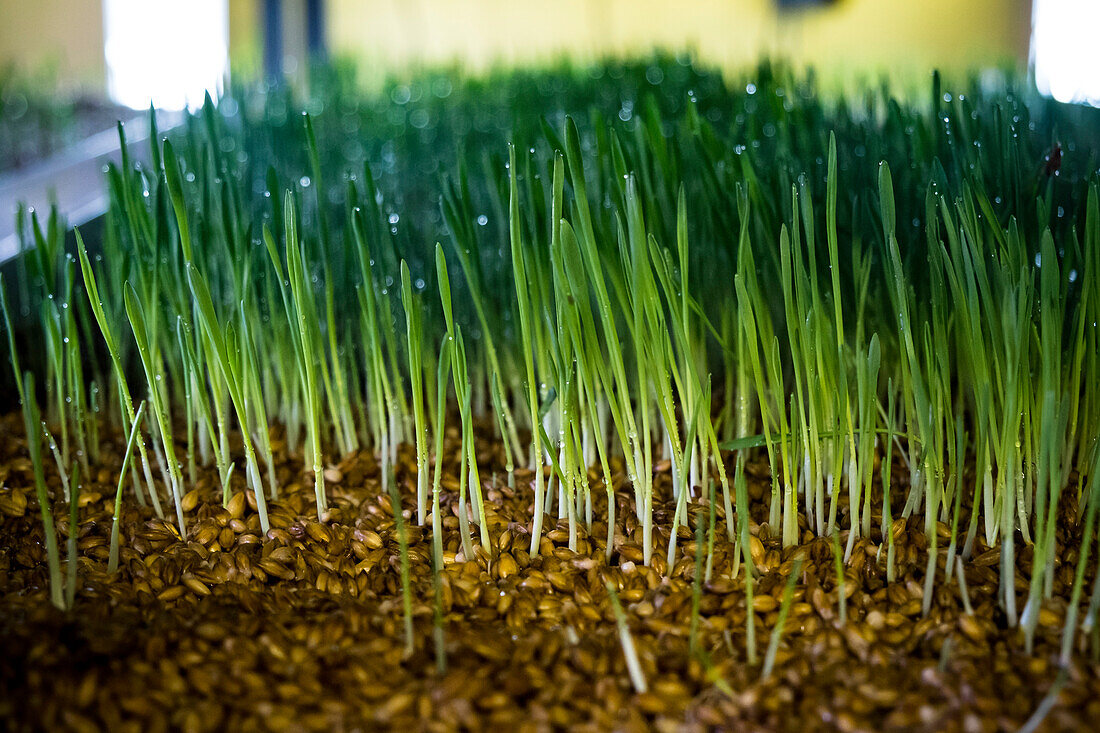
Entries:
{"x":885,"y":293}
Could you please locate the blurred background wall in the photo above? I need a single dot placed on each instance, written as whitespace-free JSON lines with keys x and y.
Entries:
{"x":64,"y":37}
{"x":844,"y":39}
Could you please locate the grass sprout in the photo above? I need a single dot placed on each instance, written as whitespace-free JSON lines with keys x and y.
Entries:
{"x":881,"y":311}
{"x":633,"y":665}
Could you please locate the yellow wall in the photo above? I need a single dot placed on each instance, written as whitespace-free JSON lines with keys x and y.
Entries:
{"x":853,"y":38}
{"x":245,"y":37}
{"x":849,"y":39}
{"x":66,"y":35}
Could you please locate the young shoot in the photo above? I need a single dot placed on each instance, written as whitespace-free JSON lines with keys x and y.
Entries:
{"x":32,"y":422}
{"x":112,"y":556}
{"x":781,"y":621}
{"x":633,"y":665}
{"x":415,"y":339}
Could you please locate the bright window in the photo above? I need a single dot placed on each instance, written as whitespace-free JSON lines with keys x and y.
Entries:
{"x":1065,"y":53}
{"x":168,"y":52}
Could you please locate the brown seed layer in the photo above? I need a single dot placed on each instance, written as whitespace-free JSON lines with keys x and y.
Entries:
{"x":301,"y":628}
